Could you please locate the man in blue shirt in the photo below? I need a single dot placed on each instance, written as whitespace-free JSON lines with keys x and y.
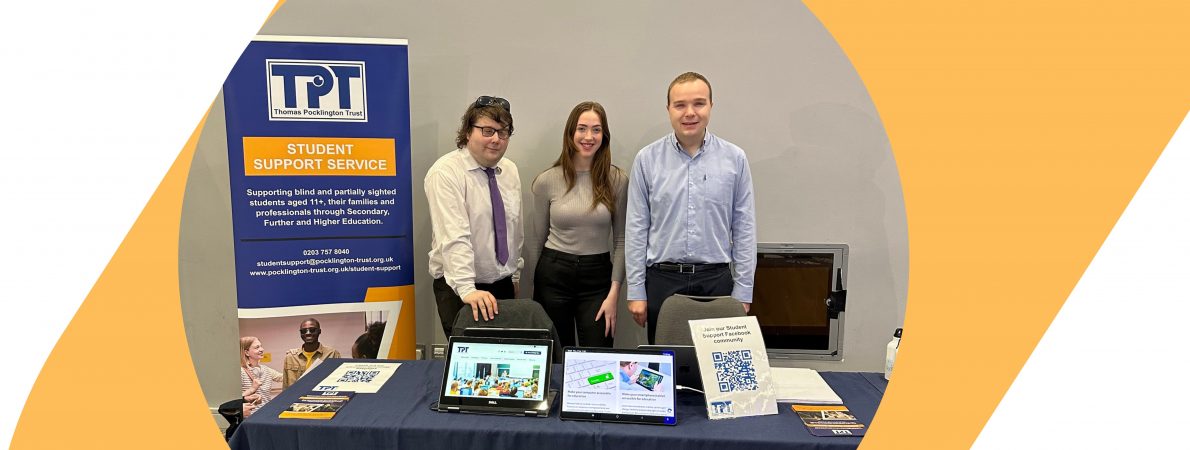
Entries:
{"x":690,"y":211}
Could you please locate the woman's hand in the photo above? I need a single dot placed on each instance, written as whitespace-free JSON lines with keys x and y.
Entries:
{"x":607,"y":310}
{"x":248,"y":409}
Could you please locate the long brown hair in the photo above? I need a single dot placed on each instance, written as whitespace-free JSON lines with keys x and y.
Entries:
{"x":602,"y":170}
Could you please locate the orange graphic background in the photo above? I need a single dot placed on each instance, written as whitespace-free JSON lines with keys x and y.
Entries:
{"x":121,"y":376}
{"x":1021,"y":129}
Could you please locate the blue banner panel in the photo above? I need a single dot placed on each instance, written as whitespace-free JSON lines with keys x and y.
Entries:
{"x":318,"y":146}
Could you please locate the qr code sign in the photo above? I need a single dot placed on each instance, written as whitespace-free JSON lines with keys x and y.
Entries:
{"x":358,"y":376}
{"x":734,"y":371}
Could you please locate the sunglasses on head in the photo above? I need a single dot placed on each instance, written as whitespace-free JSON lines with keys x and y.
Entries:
{"x":484,"y":100}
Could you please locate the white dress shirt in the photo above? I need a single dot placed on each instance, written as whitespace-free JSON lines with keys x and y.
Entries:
{"x":463,"y":249}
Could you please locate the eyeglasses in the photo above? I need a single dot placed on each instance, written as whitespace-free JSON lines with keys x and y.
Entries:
{"x":309,"y":330}
{"x":489,"y":131}
{"x":484,"y":100}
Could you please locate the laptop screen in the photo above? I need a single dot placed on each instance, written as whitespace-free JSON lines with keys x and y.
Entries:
{"x":496,"y":370}
{"x":614,"y":385}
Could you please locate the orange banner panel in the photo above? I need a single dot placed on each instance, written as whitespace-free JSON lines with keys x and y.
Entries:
{"x":286,"y":156}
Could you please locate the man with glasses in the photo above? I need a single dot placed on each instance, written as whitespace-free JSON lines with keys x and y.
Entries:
{"x":300,"y":360}
{"x":474,"y":196}
{"x":691,"y":221}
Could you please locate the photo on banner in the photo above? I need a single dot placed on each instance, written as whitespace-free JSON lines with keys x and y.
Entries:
{"x":342,"y":326}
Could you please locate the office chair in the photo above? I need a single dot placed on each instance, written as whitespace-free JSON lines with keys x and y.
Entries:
{"x":673,"y":326}
{"x":515,"y":313}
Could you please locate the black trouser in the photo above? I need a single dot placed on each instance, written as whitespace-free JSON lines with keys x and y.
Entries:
{"x":661,"y":284}
{"x":571,"y":288}
{"x":449,"y":302}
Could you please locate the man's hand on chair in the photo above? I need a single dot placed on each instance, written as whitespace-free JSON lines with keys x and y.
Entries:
{"x":482,"y":302}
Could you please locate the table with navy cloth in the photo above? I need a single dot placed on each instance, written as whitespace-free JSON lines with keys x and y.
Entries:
{"x":399,"y":417}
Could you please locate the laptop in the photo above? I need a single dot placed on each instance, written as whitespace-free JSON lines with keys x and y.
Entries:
{"x":488,"y":375}
{"x":685,"y":363}
{"x":618,"y":385}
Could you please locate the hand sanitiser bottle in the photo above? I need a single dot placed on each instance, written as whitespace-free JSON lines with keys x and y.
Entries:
{"x":890,"y":355}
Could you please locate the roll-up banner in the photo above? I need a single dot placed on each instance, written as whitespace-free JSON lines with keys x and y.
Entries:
{"x":318,"y":149}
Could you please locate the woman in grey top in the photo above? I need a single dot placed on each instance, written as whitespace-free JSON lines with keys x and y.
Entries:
{"x":581,"y":201}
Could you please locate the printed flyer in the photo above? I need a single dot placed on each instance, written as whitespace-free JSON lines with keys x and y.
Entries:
{"x":317,"y":405}
{"x":358,"y":377}
{"x":829,"y":420}
{"x":734,"y":366}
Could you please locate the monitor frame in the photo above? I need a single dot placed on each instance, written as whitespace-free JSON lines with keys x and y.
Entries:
{"x":839,"y":254}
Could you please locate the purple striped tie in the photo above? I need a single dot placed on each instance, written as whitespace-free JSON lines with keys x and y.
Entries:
{"x":498,"y":217}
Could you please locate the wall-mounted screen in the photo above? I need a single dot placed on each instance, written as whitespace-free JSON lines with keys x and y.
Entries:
{"x":797,"y":299}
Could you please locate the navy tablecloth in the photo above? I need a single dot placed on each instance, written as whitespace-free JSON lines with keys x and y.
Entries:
{"x":399,"y":417}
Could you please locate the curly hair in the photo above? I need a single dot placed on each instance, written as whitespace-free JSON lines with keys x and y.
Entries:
{"x":473,"y":113}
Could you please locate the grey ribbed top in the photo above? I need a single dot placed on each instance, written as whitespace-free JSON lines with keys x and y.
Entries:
{"x":573,"y":226}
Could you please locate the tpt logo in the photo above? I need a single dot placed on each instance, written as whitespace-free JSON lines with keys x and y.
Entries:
{"x":721,"y":408}
{"x":316,"y":90}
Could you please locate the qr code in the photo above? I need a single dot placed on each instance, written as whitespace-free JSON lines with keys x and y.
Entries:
{"x":358,"y":376}
{"x":734,"y":371}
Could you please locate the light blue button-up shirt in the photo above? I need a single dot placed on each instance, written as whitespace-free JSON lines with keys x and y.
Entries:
{"x":696,"y":210}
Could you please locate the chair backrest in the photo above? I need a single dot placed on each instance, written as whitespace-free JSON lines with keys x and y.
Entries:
{"x":233,"y":411}
{"x":673,"y":326}
{"x":515,"y":313}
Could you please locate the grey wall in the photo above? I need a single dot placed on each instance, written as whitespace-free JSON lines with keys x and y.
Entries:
{"x":783,"y":91}
{"x":206,"y":266}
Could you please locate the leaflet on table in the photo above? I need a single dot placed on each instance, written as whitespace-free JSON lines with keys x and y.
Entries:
{"x":321,"y":405}
{"x":803,"y":386}
{"x":358,"y":377}
{"x":734,"y":366}
{"x":829,"y":420}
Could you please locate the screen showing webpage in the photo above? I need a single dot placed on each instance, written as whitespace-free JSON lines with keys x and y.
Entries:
{"x":619,"y":383}
{"x":497,"y":370}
